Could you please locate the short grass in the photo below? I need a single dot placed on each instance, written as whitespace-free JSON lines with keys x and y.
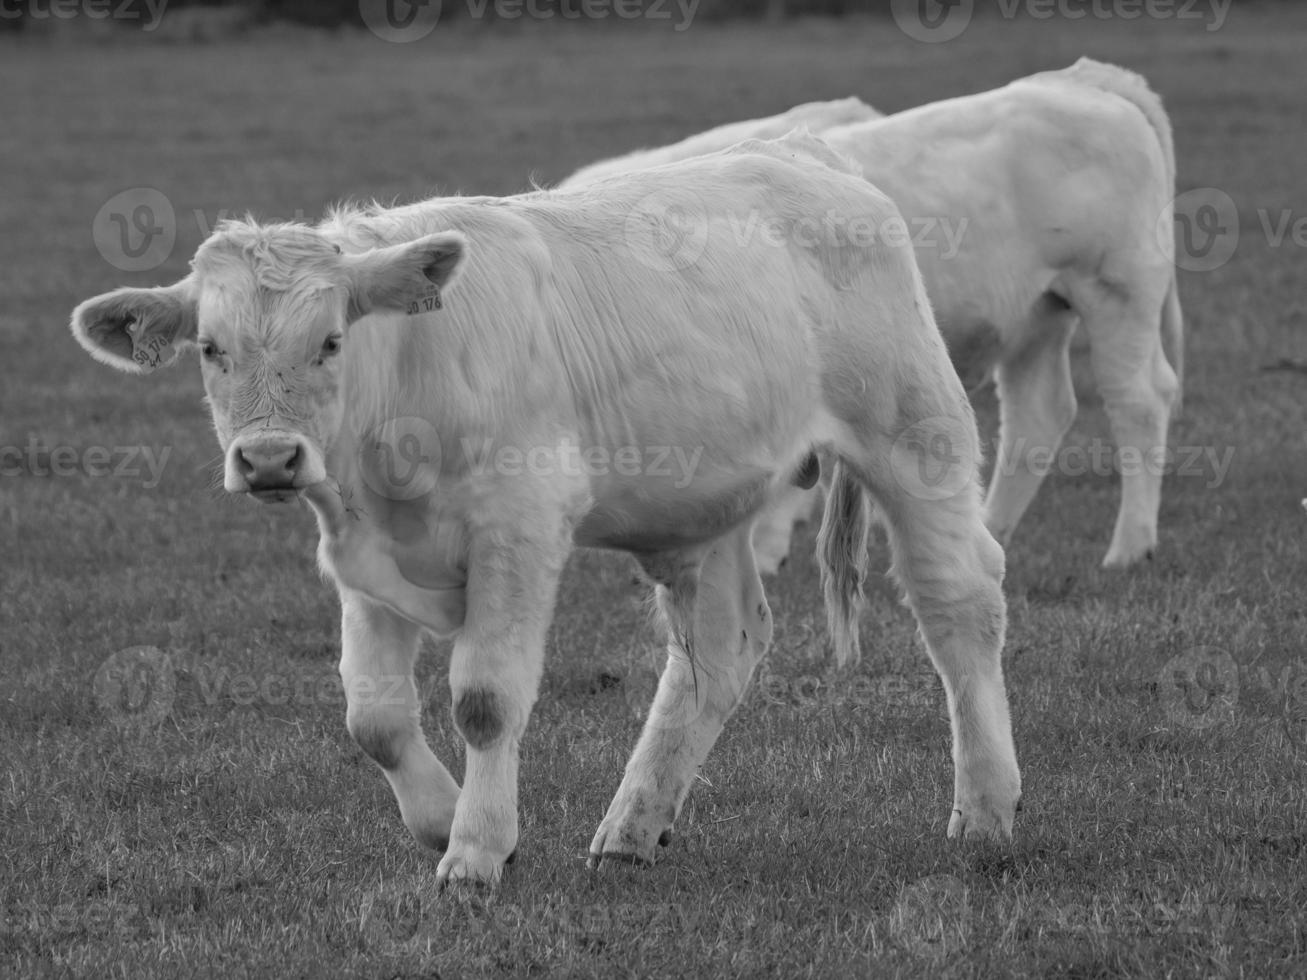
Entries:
{"x":244,"y":833}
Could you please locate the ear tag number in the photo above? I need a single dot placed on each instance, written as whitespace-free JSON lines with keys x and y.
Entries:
{"x":428,"y":301}
{"x":148,"y":352}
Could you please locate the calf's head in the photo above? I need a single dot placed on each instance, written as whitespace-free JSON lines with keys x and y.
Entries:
{"x":269,"y":309}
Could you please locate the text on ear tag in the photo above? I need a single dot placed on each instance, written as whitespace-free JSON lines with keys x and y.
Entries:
{"x":149,"y":351}
{"x":428,"y":301}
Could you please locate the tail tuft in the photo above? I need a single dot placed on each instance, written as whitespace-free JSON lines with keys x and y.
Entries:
{"x":842,"y":551}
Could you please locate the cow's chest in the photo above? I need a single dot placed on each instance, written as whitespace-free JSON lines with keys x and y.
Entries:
{"x":401,"y":558}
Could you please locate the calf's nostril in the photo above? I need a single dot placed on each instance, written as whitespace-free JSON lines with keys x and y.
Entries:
{"x":244,"y":465}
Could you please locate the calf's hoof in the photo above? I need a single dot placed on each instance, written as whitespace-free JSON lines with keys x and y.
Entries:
{"x":473,"y":865}
{"x":597,"y":860}
{"x":983,"y":821}
{"x":626,"y":844}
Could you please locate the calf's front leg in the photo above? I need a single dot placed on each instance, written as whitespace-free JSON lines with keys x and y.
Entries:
{"x":494,"y":677}
{"x":378,"y":650}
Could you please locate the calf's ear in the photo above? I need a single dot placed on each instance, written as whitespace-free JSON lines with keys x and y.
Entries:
{"x":408,"y":278}
{"x":136,"y":330}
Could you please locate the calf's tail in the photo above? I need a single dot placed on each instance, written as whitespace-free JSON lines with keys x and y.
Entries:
{"x":842,"y":553}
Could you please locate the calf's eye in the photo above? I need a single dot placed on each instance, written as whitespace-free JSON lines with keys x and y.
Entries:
{"x":209,"y":350}
{"x":331,"y":346}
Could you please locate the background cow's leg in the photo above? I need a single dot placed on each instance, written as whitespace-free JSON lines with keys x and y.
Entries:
{"x":775,"y":526}
{"x":719,"y":627}
{"x":952,"y":571}
{"x":1138,"y":388}
{"x":378,"y":649}
{"x":494,"y":677}
{"x":1037,"y":404}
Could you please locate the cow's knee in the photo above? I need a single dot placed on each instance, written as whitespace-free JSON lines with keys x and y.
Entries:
{"x":479,"y":715}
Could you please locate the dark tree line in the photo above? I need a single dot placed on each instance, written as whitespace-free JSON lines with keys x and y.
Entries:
{"x":345,"y":13}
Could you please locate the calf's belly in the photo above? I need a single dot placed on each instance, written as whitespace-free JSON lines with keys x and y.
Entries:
{"x":654,"y":517}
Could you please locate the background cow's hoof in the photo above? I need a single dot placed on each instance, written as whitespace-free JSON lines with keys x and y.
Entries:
{"x":771,"y":548}
{"x":984,"y":822}
{"x":770,"y":560}
{"x":470,"y":864}
{"x":1123,"y":556}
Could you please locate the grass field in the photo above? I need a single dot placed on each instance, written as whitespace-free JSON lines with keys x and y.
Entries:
{"x":239,"y":831}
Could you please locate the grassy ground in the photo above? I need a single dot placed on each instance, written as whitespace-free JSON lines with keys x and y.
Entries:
{"x":242,"y":832}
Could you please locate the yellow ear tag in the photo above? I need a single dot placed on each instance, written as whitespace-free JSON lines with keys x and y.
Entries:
{"x":149,"y":352}
{"x":428,"y":301}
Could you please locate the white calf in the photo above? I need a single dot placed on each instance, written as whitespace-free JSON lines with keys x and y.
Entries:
{"x":1063,"y":179}
{"x":1034,"y":207}
{"x":466,"y":389}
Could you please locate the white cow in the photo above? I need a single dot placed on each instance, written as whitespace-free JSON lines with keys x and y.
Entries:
{"x":1034,"y":207}
{"x":467,"y":388}
{"x":816,"y":117}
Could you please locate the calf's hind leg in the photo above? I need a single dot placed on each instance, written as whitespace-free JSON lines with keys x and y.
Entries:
{"x":951,"y":569}
{"x":719,"y":629}
{"x":1037,"y":404}
{"x":1138,"y":387}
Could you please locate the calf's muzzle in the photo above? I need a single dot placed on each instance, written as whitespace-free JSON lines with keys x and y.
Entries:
{"x":271,"y":467}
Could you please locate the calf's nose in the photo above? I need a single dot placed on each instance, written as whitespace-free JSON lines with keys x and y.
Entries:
{"x":269,"y":466}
